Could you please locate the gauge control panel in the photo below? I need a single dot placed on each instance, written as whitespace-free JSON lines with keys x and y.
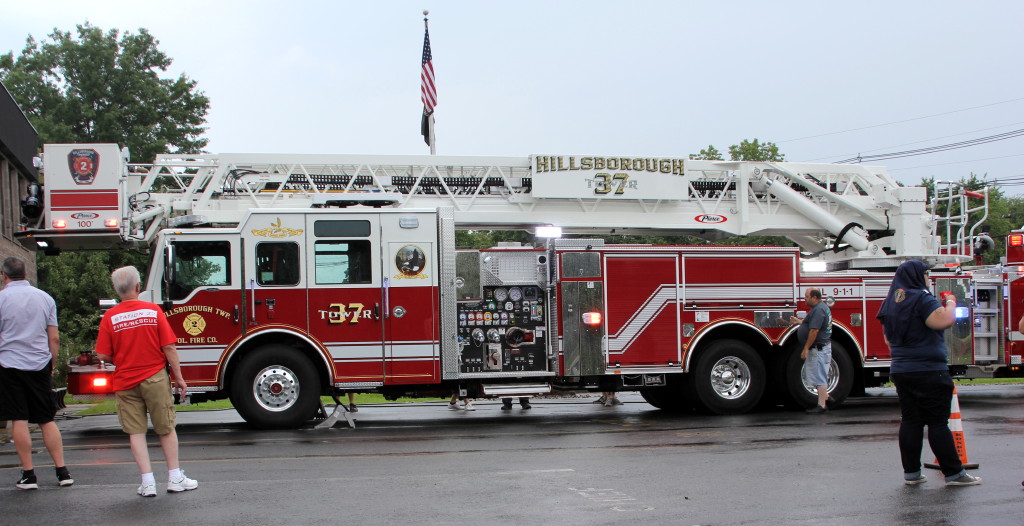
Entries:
{"x":505,"y":331}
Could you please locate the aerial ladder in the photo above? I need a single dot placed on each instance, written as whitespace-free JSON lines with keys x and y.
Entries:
{"x":847,"y":216}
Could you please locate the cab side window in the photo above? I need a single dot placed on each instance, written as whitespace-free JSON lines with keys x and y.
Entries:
{"x":343,"y":262}
{"x":277,"y":263}
{"x":199,"y":264}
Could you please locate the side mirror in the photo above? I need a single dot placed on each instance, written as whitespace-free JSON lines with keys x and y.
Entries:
{"x":169,"y":274}
{"x":32,"y":203}
{"x":169,"y":265}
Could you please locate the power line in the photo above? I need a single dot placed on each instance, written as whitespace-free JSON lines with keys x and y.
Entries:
{"x":913,"y":142}
{"x":899,"y":122}
{"x":956,"y":162}
{"x":935,"y":149}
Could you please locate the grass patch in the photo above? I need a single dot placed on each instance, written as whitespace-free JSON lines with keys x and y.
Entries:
{"x":105,"y":406}
{"x":978,"y":381}
{"x":989,"y":381}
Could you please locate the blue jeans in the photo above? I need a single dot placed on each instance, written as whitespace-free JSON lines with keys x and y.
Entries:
{"x":925,"y":399}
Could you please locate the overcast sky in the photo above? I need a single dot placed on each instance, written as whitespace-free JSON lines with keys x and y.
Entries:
{"x":824,"y":80}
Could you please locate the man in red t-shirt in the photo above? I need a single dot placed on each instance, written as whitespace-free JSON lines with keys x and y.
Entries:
{"x":136,"y":337}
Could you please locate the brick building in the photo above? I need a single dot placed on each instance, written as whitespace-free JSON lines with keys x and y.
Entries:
{"x":18,"y":145}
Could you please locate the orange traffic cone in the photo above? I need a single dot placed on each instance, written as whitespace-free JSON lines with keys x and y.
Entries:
{"x":957,"y":427}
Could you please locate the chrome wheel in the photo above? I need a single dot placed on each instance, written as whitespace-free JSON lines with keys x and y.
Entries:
{"x":276,"y":388}
{"x":730,"y":377}
{"x":833,"y":377}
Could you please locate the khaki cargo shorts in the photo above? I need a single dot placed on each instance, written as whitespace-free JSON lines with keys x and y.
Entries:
{"x":154,"y":396}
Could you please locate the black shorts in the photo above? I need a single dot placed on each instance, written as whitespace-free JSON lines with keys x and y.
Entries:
{"x":26,"y":395}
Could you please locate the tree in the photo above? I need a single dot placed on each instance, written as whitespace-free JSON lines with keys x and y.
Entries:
{"x":99,"y":86}
{"x":106,"y":87}
{"x":746,"y":150}
{"x":710,"y":154}
{"x":755,"y":151}
{"x":478,"y":239}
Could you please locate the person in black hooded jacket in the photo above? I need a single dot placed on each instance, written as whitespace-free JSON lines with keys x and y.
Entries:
{"x":912,"y":322}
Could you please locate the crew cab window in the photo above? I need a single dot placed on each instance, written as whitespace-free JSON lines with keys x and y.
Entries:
{"x":200,"y":264}
{"x":277,"y":263}
{"x":342,"y":262}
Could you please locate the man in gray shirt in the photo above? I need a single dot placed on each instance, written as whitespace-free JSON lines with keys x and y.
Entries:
{"x":815,"y":336}
{"x":28,"y":348}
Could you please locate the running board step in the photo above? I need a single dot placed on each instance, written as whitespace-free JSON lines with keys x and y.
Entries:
{"x":516,"y":389}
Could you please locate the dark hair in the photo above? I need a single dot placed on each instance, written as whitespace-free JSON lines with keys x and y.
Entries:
{"x":14,"y":267}
{"x":815,"y":293}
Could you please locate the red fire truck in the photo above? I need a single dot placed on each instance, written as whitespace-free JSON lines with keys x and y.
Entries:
{"x":288,"y":277}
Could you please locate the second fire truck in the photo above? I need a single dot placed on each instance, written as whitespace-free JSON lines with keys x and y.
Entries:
{"x":289,"y":277}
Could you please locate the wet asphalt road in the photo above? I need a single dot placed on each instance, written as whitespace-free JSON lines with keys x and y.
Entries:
{"x":566,"y":461}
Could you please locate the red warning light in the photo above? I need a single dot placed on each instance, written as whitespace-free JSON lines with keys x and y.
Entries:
{"x":1015,"y":240}
{"x":592,"y":318}
{"x":60,"y":223}
{"x":112,"y":223}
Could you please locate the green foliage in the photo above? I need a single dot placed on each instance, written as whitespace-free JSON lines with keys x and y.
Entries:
{"x":709,"y":154}
{"x":97,"y":86}
{"x":94,"y":87}
{"x":106,"y":406}
{"x":479,"y":239}
{"x":77,"y":281}
{"x":746,"y":150}
{"x":755,"y":151}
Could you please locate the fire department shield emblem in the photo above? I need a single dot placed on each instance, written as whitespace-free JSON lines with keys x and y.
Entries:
{"x":900,"y":295}
{"x":194,"y":324}
{"x":83,"y":165}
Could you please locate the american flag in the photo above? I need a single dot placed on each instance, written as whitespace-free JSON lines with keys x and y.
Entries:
{"x":428,"y":92}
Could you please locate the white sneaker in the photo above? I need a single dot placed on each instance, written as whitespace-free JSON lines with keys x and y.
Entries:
{"x":147,"y":490}
{"x":454,"y":407}
{"x":469,"y":406}
{"x":182,"y":484}
{"x":965,"y":480}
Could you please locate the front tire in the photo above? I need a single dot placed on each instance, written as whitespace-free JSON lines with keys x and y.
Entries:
{"x":669,"y":397}
{"x":729,"y":378}
{"x":275,"y":386}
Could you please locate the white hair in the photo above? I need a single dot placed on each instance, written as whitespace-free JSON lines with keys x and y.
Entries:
{"x":124,"y":280}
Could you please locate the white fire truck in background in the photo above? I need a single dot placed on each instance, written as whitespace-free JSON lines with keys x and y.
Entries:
{"x":288,"y":277}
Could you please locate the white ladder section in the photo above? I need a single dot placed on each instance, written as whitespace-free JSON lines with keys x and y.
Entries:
{"x":812,"y":204}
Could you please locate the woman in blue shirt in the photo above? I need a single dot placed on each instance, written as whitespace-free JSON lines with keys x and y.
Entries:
{"x":913,"y":321}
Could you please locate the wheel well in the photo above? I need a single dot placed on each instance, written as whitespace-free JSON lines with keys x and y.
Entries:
{"x":841,"y":335}
{"x":728,"y":331}
{"x":278,"y":338}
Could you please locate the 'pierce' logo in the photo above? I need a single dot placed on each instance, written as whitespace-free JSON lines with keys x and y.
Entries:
{"x":710,"y":218}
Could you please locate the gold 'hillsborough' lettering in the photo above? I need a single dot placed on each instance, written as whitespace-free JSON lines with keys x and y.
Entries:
{"x":565,"y":163}
{"x":198,"y":308}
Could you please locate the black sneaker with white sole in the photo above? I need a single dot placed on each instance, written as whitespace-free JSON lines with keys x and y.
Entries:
{"x":64,"y":477}
{"x":28,"y":481}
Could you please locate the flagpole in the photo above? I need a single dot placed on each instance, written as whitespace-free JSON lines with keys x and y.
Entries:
{"x":433,"y":144}
{"x":430,"y":118}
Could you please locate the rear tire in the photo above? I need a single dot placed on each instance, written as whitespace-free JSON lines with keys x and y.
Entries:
{"x":729,"y":378}
{"x":275,"y":386}
{"x":840,"y":378}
